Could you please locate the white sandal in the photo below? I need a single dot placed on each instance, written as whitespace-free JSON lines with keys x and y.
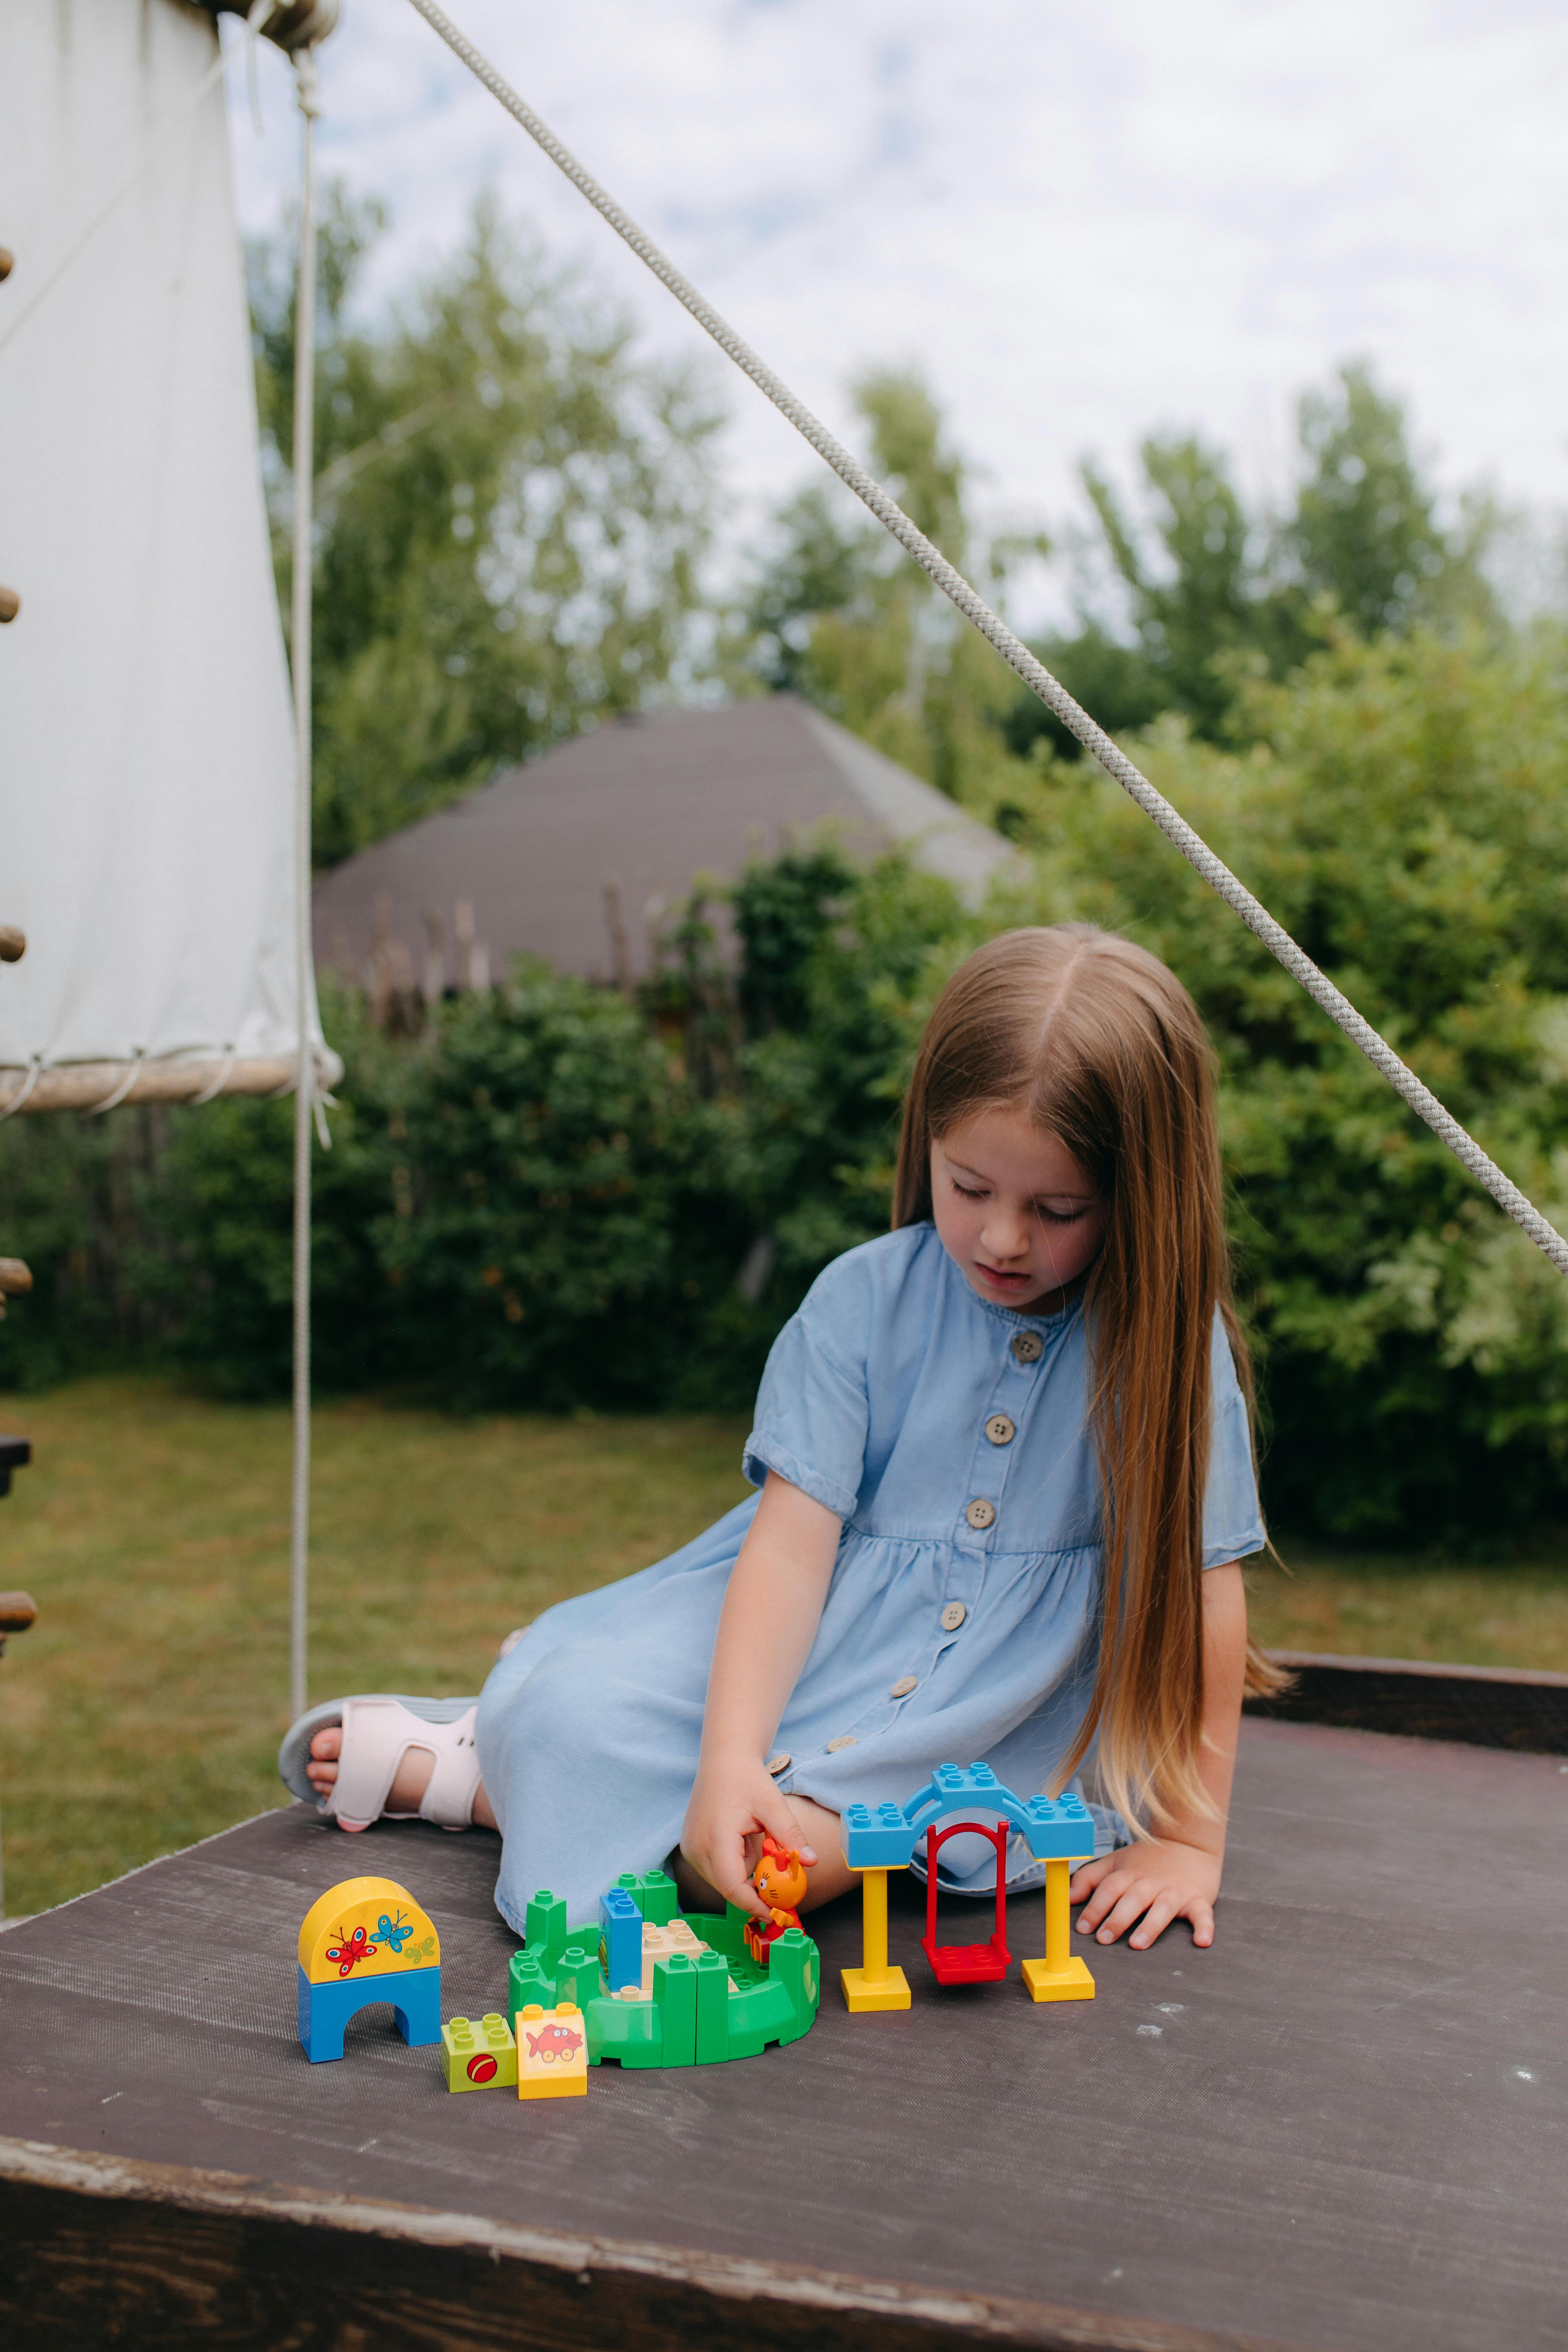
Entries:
{"x":378,"y":1732}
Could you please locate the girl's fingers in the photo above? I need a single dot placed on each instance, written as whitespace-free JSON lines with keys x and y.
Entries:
{"x":1127,"y":1911}
{"x":1105,"y":1894}
{"x":1156,"y":1920}
{"x":1088,"y":1876}
{"x":1201,"y":1914}
{"x":774,"y":1815}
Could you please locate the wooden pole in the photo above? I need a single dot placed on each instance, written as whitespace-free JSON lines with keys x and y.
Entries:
{"x":17,"y":1610}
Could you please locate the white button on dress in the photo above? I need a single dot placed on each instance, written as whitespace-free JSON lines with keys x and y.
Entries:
{"x":904,"y":1686}
{"x":1029,"y":1347}
{"x":953,"y":1616}
{"x":844,"y":1740}
{"x":779,"y":1763}
{"x":980,"y":1512}
{"x":1000,"y":1429}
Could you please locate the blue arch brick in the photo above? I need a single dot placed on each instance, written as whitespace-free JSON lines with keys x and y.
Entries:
{"x":884,"y":1837}
{"x":326,"y":2008}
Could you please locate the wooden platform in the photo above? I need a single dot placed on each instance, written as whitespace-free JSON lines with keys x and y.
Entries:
{"x":1344,"y":2126}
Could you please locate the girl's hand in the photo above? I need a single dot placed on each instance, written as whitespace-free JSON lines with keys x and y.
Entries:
{"x":734,"y":1803}
{"x":1152,"y":1881}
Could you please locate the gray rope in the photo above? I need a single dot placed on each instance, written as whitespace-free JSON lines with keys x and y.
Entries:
{"x":306,"y":95}
{"x":1033,"y":673}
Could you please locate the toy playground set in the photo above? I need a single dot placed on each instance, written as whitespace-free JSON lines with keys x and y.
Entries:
{"x":648,"y":1987}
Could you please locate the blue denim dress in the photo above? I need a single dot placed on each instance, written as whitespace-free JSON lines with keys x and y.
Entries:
{"x":949,"y":1437}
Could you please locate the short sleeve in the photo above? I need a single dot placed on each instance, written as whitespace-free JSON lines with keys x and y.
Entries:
{"x":812,"y":1419}
{"x":1233,"y":1516}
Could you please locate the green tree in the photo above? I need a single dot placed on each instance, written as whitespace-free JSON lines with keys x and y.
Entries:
{"x":1215,"y":593}
{"x":837,"y":612}
{"x":514,"y":510}
{"x":1366,"y":533}
{"x":1403,"y":807}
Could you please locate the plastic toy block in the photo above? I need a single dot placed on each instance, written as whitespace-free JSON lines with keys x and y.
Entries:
{"x":656,"y":1945}
{"x":578,"y":1976}
{"x":712,"y":2008}
{"x":369,"y":1924}
{"x":631,"y":2032}
{"x":481,"y":2055}
{"x":955,"y":1964}
{"x":1071,"y":1983}
{"x":793,"y":1965}
{"x":747,"y":2005}
{"x":1061,"y":1975}
{"x":527,"y":1981}
{"x":552,"y":2052}
{"x":875,"y":1985}
{"x":865,"y":1991}
{"x":1060,"y":1828}
{"x":324,"y":2009}
{"x":675,"y":1994}
{"x":366,"y":1940}
{"x":544,"y":1926}
{"x":620,"y":1939}
{"x":877,"y":1837}
{"x":660,"y":1898}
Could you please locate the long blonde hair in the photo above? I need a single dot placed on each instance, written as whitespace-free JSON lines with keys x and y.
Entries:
{"x":1098,"y":1044}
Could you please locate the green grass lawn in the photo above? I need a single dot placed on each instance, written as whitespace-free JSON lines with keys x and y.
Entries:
{"x":145,"y":1707}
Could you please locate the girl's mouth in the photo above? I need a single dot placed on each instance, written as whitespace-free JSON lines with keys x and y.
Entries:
{"x":1003,"y":1281}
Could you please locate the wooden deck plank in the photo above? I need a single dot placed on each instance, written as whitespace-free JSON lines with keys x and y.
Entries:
{"x":1343,"y":2126}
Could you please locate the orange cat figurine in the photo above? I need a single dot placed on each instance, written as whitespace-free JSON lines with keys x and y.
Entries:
{"x":779,"y":1878}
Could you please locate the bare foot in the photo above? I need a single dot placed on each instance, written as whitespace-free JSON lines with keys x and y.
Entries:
{"x":409,"y":1782}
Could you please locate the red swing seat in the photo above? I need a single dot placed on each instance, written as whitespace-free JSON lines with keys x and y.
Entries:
{"x":960,"y":1964}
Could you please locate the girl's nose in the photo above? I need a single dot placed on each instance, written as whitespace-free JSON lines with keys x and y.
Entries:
{"x":1004,"y":1235}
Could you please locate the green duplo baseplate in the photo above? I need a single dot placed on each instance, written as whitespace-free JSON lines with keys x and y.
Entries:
{"x":702,"y":2010}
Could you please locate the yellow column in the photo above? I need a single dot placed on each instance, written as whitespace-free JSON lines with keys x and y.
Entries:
{"x":876,"y":1985}
{"x":1060,"y":1976}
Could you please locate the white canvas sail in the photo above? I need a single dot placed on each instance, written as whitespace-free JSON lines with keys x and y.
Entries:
{"x":146,"y":752}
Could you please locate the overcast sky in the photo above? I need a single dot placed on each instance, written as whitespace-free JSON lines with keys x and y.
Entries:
{"x":1082,"y":221}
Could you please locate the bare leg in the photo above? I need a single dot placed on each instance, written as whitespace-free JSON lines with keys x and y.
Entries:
{"x":830,"y":1874}
{"x":409,"y":1784}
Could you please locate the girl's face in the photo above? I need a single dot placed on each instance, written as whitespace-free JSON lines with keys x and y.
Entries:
{"x":1015,"y":1212}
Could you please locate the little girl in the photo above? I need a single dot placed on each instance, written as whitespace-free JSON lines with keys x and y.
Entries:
{"x":1006,"y":1475}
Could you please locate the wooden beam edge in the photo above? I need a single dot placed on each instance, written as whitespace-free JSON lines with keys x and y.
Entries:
{"x":869,"y":2303}
{"x":1427,"y":1669}
{"x":84,"y":1086}
{"x":1523,"y":1711}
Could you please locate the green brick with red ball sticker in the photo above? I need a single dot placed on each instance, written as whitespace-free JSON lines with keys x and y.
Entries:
{"x":480,"y":2053}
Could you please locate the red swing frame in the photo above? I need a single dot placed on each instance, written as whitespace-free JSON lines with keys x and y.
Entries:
{"x":956,"y":1964}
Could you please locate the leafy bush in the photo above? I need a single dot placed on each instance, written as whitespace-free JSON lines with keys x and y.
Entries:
{"x":1403,"y":809}
{"x":558,"y":1196}
{"x":563,"y":1208}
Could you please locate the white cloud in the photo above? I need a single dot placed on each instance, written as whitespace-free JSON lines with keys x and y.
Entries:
{"x":1083,"y":222}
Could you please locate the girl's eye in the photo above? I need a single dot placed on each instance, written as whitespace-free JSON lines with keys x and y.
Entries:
{"x":965,"y":1191}
{"x":1062,"y":1216}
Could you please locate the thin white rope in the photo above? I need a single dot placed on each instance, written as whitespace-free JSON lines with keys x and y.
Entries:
{"x":116,"y":1095}
{"x":305,"y":1077}
{"x":35,"y":1071}
{"x":1033,"y":672}
{"x":225,"y":1071}
{"x":260,"y":15}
